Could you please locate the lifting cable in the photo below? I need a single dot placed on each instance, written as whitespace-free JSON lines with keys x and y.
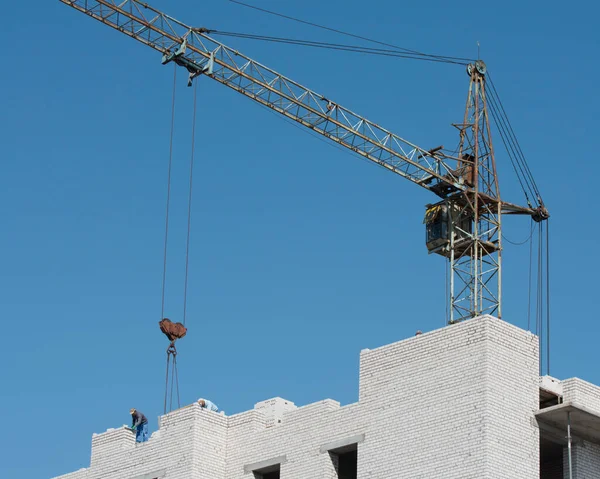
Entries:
{"x":529,"y":288}
{"x":542,"y":308}
{"x":176,"y":331}
{"x":539,"y":303}
{"x":171,"y":350}
{"x":548,"y":297}
{"x":542,"y":285}
{"x":164,"y":277}
{"x":189,"y":217}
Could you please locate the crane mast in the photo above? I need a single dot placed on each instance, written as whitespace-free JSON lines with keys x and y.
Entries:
{"x":464,"y":226}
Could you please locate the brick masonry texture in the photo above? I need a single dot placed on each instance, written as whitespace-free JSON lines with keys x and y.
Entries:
{"x":586,"y":461}
{"x":582,"y":393}
{"x":455,"y":403}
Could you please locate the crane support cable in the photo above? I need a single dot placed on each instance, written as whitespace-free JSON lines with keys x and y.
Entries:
{"x":517,"y":165}
{"x":348,"y":48}
{"x":510,"y":152}
{"x":502,"y":123}
{"x":514,"y":137}
{"x":341,"y":32}
{"x":513,"y":140}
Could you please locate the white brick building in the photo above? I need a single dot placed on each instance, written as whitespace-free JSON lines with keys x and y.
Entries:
{"x":461,"y":402}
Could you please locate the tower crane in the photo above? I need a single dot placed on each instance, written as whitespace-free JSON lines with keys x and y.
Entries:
{"x":464,"y":224}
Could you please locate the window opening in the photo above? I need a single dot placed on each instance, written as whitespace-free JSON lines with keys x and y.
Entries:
{"x":271,"y":472}
{"x":345,"y":461}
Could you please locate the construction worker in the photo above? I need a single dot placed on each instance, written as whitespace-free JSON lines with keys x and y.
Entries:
{"x":139,"y":424}
{"x":209,"y":405}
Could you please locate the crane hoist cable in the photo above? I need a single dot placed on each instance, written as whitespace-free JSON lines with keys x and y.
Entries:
{"x":548,"y":297}
{"x":539,"y":306}
{"x":167,"y":208}
{"x":175,"y":331}
{"x":171,"y":353}
{"x":529,"y":281}
{"x":165,"y":324}
{"x":542,"y":312}
{"x":189,"y":216}
{"x":542,"y":318}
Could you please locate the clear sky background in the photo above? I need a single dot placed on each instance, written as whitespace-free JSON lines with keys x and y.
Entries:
{"x":301,"y":254}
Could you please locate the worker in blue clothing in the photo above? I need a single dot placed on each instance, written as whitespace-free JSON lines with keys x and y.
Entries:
{"x":139,"y":424}
{"x":209,"y":405}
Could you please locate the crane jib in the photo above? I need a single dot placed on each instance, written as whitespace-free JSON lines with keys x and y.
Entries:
{"x":464,"y":227}
{"x":433,"y":171}
{"x":316,"y":117}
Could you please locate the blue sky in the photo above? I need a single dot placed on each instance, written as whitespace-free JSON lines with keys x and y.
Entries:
{"x":301,"y":255}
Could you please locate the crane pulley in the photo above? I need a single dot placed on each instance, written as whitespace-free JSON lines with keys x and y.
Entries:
{"x":464,"y":225}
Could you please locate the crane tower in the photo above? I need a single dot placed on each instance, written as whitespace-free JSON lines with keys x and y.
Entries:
{"x":464,"y":225}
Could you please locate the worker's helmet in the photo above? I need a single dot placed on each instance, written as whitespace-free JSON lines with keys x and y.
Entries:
{"x":132,"y":410}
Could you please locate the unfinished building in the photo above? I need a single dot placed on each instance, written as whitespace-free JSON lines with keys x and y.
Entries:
{"x":465,"y":401}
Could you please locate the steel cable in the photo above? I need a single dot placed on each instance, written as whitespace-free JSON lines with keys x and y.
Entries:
{"x":164,"y":278}
{"x":349,"y":48}
{"x":520,"y":243}
{"x":510,"y":149}
{"x":167,"y":380}
{"x":529,"y":288}
{"x":189,"y":217}
{"x":515,"y":140}
{"x":548,"y":297}
{"x":341,"y":32}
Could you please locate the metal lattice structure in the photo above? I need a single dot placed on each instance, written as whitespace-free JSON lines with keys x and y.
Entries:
{"x":471,"y":207}
{"x":475,"y":255}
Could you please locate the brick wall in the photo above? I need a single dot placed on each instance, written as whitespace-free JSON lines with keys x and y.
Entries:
{"x":453,"y":403}
{"x":582,"y":393}
{"x":173,"y":448}
{"x":459,"y":400}
{"x":586,"y":461}
{"x":512,"y":398}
